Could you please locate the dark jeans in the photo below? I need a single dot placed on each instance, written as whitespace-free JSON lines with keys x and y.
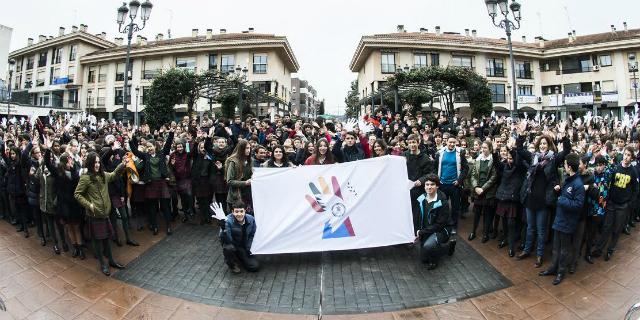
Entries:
{"x":578,"y":239}
{"x":19,"y":211}
{"x":430,"y":249}
{"x":562,"y":252}
{"x":453,"y":193}
{"x":152,"y":207}
{"x":53,"y":223}
{"x":37,"y":217}
{"x":234,"y":255}
{"x":414,"y":193}
{"x":615,"y":218}
{"x":510,"y":230}
{"x":536,"y":228}
{"x":487,"y":224}
{"x":203,"y":208}
{"x":591,"y":232}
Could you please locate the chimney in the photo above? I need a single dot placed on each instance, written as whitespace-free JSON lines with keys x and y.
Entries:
{"x":138,"y":39}
{"x":223,"y":31}
{"x":83,"y":27}
{"x":613,"y":29}
{"x":209,"y":34}
{"x":159,"y":37}
{"x":400,"y":28}
{"x":194,"y":33}
{"x":466,"y":32}
{"x":573,"y":32}
{"x":424,"y":30}
{"x":103,"y":35}
{"x":625,"y":26}
{"x":29,"y":41}
{"x":143,"y":41}
{"x":118,"y":41}
{"x":61,"y":32}
{"x":570,"y":37}
{"x":438,"y":30}
{"x":74,"y":28}
{"x":41,"y":38}
{"x":474,"y":33}
{"x":524,"y":39}
{"x":251,"y":30}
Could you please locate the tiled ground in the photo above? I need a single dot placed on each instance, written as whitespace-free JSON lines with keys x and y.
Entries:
{"x":190,"y":265}
{"x":36,"y":284}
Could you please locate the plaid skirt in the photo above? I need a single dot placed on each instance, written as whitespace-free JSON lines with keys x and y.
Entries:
{"x":183,"y":186}
{"x":507,"y":209}
{"x":117,"y":202}
{"x":202,"y":187}
{"x":99,"y":229}
{"x":157,"y":190}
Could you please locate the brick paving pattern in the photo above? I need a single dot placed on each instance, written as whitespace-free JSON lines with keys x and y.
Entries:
{"x":190,"y":265}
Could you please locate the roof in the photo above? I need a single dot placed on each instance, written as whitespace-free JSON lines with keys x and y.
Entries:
{"x":230,"y":39}
{"x":593,"y":39}
{"x":69,"y":37}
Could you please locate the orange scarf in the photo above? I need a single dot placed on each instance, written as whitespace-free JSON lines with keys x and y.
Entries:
{"x":132,"y":173}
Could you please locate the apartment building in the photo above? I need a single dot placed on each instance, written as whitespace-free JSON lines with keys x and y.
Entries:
{"x":571,"y":74}
{"x":304,"y":99}
{"x":88,"y":73}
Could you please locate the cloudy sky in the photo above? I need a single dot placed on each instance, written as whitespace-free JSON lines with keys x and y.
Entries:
{"x":324,"y":33}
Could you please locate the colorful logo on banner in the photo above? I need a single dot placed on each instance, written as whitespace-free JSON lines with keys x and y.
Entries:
{"x":333,"y":205}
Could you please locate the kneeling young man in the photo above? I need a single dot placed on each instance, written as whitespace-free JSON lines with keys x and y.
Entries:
{"x":434,"y":215}
{"x":237,"y":238}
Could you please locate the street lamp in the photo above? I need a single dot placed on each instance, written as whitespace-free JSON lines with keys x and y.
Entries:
{"x":135,"y":120}
{"x":241,"y":73}
{"x":11,"y":64}
{"x":129,"y":28}
{"x":508,"y":25}
{"x":633,"y":67}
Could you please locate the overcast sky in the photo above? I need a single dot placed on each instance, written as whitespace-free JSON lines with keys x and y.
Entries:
{"x":323,"y":34}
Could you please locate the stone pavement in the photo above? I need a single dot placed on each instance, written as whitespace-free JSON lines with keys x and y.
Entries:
{"x":190,"y":265}
{"x":36,"y":284}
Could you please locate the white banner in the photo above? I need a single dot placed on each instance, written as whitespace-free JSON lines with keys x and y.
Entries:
{"x":344,"y":206}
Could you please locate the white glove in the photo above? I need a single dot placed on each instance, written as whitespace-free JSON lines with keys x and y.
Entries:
{"x":365,"y":127}
{"x":350,"y":125}
{"x":216,"y":207}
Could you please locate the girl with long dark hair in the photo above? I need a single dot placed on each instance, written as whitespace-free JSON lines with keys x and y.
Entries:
{"x":321,"y":154}
{"x":239,"y":168}
{"x":278,"y":159}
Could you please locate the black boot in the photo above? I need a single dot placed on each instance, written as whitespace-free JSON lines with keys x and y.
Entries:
{"x":105,"y":269}
{"x":43,"y":241}
{"x":132,"y":243}
{"x":558,"y":279}
{"x":65,"y":247}
{"x":472,"y":236}
{"x":116,"y":265}
{"x":75,"y":251}
{"x":56,"y":249}
{"x":588,"y":258}
{"x":81,"y":254}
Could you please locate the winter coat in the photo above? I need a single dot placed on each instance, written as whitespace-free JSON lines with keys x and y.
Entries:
{"x":110,"y":159}
{"x":233,"y":232}
{"x":512,"y":179}
{"x":490,"y":185}
{"x":358,"y":151}
{"x":238,"y":189}
{"x":434,"y":217}
{"x":145,"y":157}
{"x":418,"y":166}
{"x":65,"y":186}
{"x":48,"y":196}
{"x":569,"y":206}
{"x":33,"y":184}
{"x":219,"y":183}
{"x":95,"y":191}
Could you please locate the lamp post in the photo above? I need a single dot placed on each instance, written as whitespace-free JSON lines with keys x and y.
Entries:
{"x":508,"y":25}
{"x":241,"y":73}
{"x":129,"y":28}
{"x":135,"y":120}
{"x":633,"y":67}
{"x":11,"y":64}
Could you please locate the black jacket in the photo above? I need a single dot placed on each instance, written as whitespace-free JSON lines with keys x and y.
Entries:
{"x":434,"y":217}
{"x":162,"y":154}
{"x":418,"y":166}
{"x":549,"y":172}
{"x":512,"y":177}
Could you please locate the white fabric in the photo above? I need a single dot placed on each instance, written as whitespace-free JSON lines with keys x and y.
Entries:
{"x":373,"y":199}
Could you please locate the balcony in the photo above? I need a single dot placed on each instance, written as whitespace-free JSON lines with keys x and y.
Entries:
{"x":524,"y":74}
{"x":498,"y":98}
{"x":101,"y":101}
{"x":574,"y":70}
{"x":149,"y":74}
{"x":495,"y":72}
{"x":73,"y":104}
{"x":91,"y":101}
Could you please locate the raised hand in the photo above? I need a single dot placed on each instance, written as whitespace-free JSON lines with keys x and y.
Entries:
{"x":350,"y":125}
{"x":218,"y":212}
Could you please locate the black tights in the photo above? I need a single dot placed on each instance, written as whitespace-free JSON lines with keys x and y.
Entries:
{"x":121,"y":213}
{"x":509,"y":229}
{"x":487,"y":224}
{"x":102,"y":248}
{"x":52,"y":225}
{"x":37,"y":217}
{"x":152,"y":207}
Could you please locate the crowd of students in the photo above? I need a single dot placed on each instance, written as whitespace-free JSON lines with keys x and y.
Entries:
{"x":74,"y":178}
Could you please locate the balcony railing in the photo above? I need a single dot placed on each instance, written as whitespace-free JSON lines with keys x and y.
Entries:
{"x":524,"y":74}
{"x":495,"y":72}
{"x":91,"y":101}
{"x":574,"y":70}
{"x":101,"y":102}
{"x":498,"y":98}
{"x":73,"y":105}
{"x":150,"y":74}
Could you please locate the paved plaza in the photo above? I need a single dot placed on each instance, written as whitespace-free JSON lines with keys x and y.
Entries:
{"x":36,"y":284}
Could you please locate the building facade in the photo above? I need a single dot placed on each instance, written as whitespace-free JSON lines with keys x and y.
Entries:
{"x":304,"y":99}
{"x":579,"y":72}
{"x":81,"y":71}
{"x":5,"y":41}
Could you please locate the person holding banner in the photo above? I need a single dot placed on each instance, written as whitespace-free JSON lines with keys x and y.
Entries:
{"x":321,"y":154}
{"x":418,"y":166}
{"x":239,"y":168}
{"x":434,"y":216}
{"x":237,"y":237}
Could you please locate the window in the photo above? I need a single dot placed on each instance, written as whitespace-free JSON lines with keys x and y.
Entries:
{"x":523,"y":70}
{"x":435,"y":59}
{"x":549,"y":65}
{"x":578,"y":87}
{"x":609,"y":86}
{"x":461,"y":97}
{"x":228,"y":63}
{"x":90,"y":99}
{"x":462,"y":61}
{"x":92,"y":75}
{"x":633,"y":65}
{"x":120,"y":71}
{"x":497,"y":93}
{"x":55,"y":76}
{"x":265,"y":86}
{"x":73,"y":51}
{"x":388,"y":62}
{"x":548,"y":90}
{"x":102,"y":73}
{"x":213,"y":61}
{"x":40,"y":79}
{"x":30,"y":63}
{"x":28,"y":83}
{"x":419,"y":60}
{"x":188,"y":63}
{"x":525,"y":90}
{"x":101,"y":97}
{"x":576,"y":64}
{"x":145,"y":95}
{"x":495,"y":68}
{"x":57,"y":56}
{"x":120,"y":94}
{"x":73,"y":96}
{"x":44,"y":99}
{"x":16,"y":84}
{"x":260,"y":63}
{"x":151,"y":69}
{"x":605,"y":60}
{"x":71,"y":73}
{"x":19,"y":65}
{"x":42,"y":59}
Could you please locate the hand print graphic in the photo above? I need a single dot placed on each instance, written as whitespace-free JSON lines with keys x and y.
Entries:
{"x":333,"y":207}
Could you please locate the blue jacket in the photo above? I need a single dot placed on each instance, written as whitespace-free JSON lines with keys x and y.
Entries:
{"x":233,"y":231}
{"x":569,"y":205}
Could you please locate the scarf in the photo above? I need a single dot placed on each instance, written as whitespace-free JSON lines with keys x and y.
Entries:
{"x":542,"y":158}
